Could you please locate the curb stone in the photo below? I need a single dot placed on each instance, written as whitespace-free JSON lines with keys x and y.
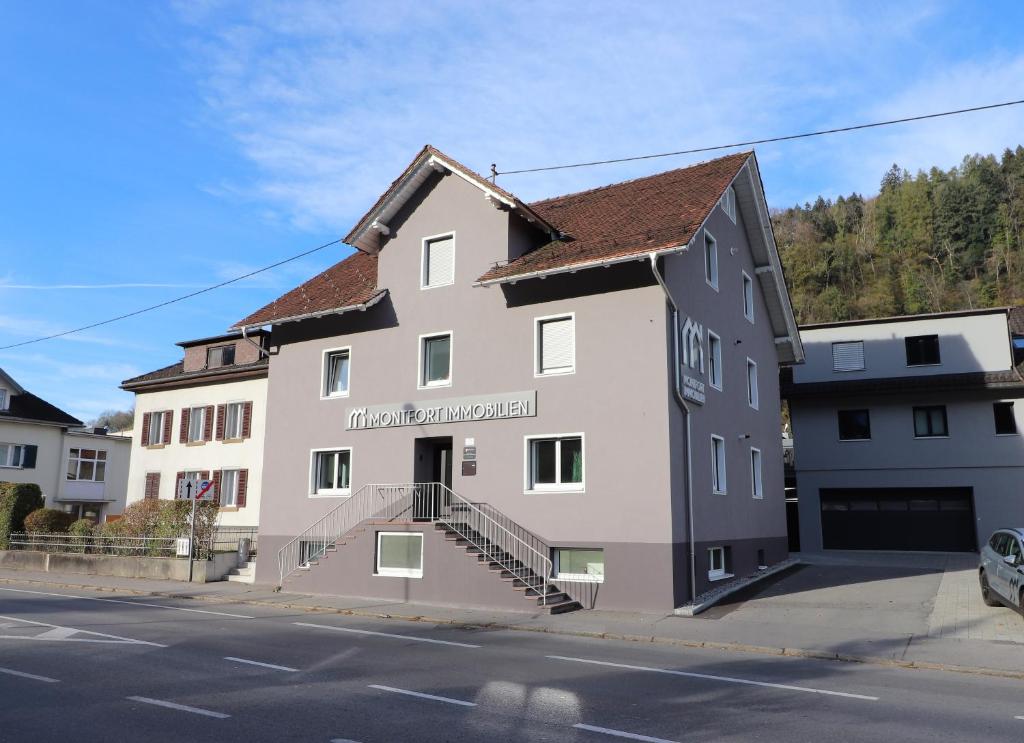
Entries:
{"x":737,"y":647}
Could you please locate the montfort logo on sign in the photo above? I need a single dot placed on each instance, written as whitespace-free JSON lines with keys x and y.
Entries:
{"x":451,"y":410}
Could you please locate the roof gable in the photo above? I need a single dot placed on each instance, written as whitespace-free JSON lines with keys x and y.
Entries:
{"x":25,"y":406}
{"x":367,"y":233}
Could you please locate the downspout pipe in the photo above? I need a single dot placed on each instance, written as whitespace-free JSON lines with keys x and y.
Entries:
{"x":681,"y":401}
{"x":259,"y":347}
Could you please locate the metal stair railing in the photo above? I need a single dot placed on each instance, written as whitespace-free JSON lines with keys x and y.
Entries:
{"x":493,"y":539}
{"x":385,"y":501}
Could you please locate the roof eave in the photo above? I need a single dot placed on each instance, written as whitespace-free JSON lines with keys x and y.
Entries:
{"x":362,"y":307}
{"x":602,"y":263}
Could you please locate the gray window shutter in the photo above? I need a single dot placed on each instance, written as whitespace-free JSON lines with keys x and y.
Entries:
{"x":440,"y":262}
{"x":848,"y":356}
{"x":557,"y":345}
{"x":29,"y":460}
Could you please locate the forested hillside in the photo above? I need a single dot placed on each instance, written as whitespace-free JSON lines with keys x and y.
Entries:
{"x":930,"y":242}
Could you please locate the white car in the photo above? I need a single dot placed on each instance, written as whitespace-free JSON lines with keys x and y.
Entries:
{"x":1002,"y":569}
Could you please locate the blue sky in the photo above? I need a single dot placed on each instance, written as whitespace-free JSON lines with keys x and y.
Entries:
{"x":173,"y":145}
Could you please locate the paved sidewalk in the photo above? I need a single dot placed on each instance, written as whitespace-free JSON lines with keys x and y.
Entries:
{"x":825,"y":640}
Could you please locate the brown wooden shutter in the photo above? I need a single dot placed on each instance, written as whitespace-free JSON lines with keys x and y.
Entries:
{"x":222,"y":411}
{"x":216,"y":487}
{"x":145,"y":428}
{"x":183,"y":428}
{"x":152,"y":491}
{"x":208,"y":424}
{"x":246,"y":420}
{"x":168,"y":424}
{"x":243,"y":484}
{"x":204,"y":475}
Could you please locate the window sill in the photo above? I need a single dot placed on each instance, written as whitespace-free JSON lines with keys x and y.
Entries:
{"x":436,"y":286}
{"x":228,"y":509}
{"x":329,"y":494}
{"x":719,"y":492}
{"x":232,"y":441}
{"x":713,"y":286}
{"x":1004,"y":435}
{"x":11,"y":467}
{"x":335,"y":396}
{"x":438,"y":386}
{"x":154,"y":446}
{"x":566,"y":373}
{"x":194,"y":443}
{"x":925,"y":438}
{"x":720,"y":576}
{"x":416,"y":575}
{"x":915,"y":366}
{"x":579,"y":578}
{"x":556,"y":491}
{"x":853,"y":441}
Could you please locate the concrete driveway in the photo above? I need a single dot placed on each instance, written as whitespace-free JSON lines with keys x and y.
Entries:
{"x":877,"y":597}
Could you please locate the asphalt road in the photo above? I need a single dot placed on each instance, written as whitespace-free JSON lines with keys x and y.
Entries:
{"x":83,"y":666}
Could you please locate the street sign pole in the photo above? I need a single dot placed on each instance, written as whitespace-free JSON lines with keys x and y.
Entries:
{"x":192,"y":540}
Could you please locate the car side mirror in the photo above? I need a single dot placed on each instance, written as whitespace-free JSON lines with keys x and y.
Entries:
{"x":1010,"y":560}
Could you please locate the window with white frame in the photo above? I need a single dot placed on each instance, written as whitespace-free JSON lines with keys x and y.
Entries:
{"x":400,"y":554}
{"x":436,"y":360}
{"x":556,"y":345}
{"x":332,"y":472}
{"x":728,"y":202}
{"x":229,"y":488}
{"x":156,"y":427}
{"x":756,"y":483}
{"x":336,"y":370}
{"x":718,"y":464}
{"x":716,"y":563}
{"x":233,"y":420}
{"x":748,"y":297}
{"x":196,"y":423}
{"x":848,"y":356}
{"x":438,"y":261}
{"x":579,"y":564}
{"x":3,"y":399}
{"x":710,"y":259}
{"x":752,"y":398}
{"x":12,"y":455}
{"x":714,"y":360}
{"x":89,"y":465}
{"x":554,"y":463}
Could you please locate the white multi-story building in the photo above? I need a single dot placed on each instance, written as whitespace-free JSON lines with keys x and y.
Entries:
{"x":202,"y":419}
{"x":80,"y":470}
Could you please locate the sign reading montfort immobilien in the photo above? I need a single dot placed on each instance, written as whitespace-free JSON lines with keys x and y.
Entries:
{"x":451,"y":410}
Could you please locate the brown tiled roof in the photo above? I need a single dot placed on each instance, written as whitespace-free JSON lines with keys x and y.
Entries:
{"x":1016,"y":320}
{"x":626,"y":219}
{"x":29,"y":407}
{"x":176,"y":372}
{"x":351,"y":282}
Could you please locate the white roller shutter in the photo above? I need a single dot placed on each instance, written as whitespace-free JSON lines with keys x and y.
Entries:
{"x":848,"y":356}
{"x":557,"y":346}
{"x":439,"y":264}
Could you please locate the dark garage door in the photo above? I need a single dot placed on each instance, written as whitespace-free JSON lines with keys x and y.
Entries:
{"x":940,"y":519}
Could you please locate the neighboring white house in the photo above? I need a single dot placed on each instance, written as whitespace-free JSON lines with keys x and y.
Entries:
{"x":203,"y":418}
{"x":81,"y":471}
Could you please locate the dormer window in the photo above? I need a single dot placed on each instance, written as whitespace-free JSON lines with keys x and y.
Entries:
{"x":438,"y":262}
{"x":220,"y":356}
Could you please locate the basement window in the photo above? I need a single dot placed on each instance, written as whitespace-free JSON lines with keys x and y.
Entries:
{"x":718,"y":559}
{"x":400,"y":554}
{"x":579,"y":564}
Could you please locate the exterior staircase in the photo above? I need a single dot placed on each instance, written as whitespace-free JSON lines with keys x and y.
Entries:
{"x":499,"y":545}
{"x":244,"y":573}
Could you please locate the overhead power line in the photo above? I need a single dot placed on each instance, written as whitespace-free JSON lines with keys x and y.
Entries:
{"x":182,"y":298}
{"x":767,"y":140}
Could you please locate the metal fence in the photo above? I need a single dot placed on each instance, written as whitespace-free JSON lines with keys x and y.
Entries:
{"x":226,"y":538}
{"x":95,"y":545}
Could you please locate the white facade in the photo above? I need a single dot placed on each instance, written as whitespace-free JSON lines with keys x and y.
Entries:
{"x":93,"y":476}
{"x":170,"y":458}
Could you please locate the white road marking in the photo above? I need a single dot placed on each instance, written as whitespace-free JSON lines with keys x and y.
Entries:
{"x":181,"y":707}
{"x":621,"y":733}
{"x":386,"y":634}
{"x":130,"y":603}
{"x":263,"y":665}
{"x":62,"y":634}
{"x":709,"y":677}
{"x":22,"y":674}
{"x":421,"y":695}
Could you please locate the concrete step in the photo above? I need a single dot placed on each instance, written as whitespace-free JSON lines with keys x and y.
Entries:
{"x":241,"y":578}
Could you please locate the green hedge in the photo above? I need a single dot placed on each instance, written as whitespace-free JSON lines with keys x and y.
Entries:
{"x":48,"y":521}
{"x":17,"y":500}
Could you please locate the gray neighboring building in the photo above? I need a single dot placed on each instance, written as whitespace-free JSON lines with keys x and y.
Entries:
{"x":529,"y":358}
{"x":907,"y":431}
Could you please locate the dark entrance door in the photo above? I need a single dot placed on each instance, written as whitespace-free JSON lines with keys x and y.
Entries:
{"x":433,"y":465}
{"x":938,"y":519}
